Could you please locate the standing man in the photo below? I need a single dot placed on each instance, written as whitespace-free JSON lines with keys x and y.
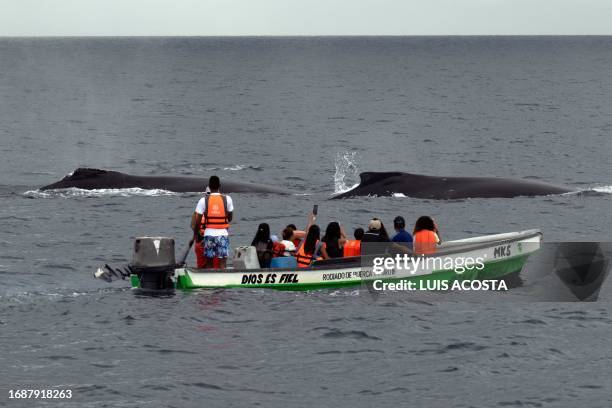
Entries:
{"x":210,"y":223}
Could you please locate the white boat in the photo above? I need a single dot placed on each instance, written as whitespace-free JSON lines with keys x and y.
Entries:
{"x":493,"y":257}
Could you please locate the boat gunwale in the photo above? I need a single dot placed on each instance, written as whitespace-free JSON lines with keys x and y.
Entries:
{"x":352,"y":261}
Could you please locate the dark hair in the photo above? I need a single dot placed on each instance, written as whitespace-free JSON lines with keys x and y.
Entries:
{"x":332,"y":232}
{"x":399,"y":222}
{"x":383,"y":232}
{"x":214,"y":183}
{"x":424,"y":223}
{"x":292,"y":227}
{"x":262,"y":234}
{"x":358,"y":233}
{"x":313,"y":235}
{"x":287,"y":234}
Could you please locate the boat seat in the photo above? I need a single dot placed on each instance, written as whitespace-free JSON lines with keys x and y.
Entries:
{"x":283,"y":262}
{"x":245,"y":257}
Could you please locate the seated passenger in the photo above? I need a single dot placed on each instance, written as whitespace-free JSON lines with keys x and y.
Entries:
{"x":334,"y":240}
{"x":278,"y":249}
{"x":375,"y":237}
{"x":263,"y":245}
{"x":285,"y":247}
{"x":296,"y":235}
{"x":376,"y":232}
{"x":402,"y":236}
{"x":311,"y":248}
{"x":352,"y":247}
{"x":425,"y":236}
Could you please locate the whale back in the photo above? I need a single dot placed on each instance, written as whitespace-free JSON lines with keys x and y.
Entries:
{"x":92,"y":178}
{"x":85,"y":172}
{"x":371,"y":177}
{"x":436,"y":187}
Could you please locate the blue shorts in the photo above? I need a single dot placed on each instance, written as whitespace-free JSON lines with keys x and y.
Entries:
{"x":216,"y":247}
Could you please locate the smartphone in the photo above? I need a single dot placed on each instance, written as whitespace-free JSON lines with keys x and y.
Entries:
{"x":315,"y":209}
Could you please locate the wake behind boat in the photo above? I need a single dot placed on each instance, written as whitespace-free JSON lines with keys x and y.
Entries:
{"x":154,"y":266}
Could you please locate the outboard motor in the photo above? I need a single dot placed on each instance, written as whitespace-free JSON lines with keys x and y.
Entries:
{"x":154,"y":262}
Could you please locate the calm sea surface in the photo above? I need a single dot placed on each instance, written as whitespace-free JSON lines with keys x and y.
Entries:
{"x":308,"y":114}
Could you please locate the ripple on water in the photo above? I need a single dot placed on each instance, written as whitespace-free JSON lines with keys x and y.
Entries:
{"x":348,"y":334}
{"x":204,"y":385}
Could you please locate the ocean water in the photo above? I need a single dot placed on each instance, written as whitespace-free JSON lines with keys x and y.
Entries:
{"x":308,"y":114}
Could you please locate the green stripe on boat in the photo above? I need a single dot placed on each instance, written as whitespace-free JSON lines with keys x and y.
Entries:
{"x":503,"y":254}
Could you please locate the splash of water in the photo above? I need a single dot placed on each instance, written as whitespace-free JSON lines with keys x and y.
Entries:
{"x":346,"y":176}
{"x":595,"y":190}
{"x":603,"y":189}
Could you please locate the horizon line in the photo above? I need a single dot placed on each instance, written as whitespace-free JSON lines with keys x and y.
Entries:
{"x":300,"y":35}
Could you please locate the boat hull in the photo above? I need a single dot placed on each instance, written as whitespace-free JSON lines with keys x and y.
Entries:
{"x":502,"y":255}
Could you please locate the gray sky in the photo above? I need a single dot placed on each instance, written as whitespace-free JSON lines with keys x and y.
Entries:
{"x":305,"y":17}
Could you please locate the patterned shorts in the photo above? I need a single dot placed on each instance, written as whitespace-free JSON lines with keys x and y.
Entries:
{"x":216,"y":247}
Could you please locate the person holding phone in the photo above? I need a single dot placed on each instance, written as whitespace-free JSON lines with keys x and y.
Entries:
{"x":311,"y":248}
{"x":297,"y":235}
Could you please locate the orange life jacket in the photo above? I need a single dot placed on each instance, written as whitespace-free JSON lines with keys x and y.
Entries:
{"x":215,"y":213}
{"x":352,"y":247}
{"x":303,"y":259}
{"x":278,"y":249}
{"x":425,"y":242}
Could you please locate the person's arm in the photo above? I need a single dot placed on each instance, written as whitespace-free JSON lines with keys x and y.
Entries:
{"x":323,"y":251}
{"x":299,"y":234}
{"x":437,"y":232}
{"x":311,"y":220}
{"x":342,"y":240}
{"x":196,"y":220}
{"x":196,"y":217}
{"x":193,"y":220}
{"x":230,"y":208}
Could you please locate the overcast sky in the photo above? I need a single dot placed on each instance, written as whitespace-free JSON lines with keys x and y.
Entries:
{"x":304,"y":17}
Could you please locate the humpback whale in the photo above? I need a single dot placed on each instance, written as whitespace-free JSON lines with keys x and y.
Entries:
{"x":444,"y":188}
{"x":92,"y":179}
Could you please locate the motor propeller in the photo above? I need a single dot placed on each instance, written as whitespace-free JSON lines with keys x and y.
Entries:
{"x":109,"y":273}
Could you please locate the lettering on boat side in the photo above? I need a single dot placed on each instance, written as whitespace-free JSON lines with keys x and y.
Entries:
{"x":347,"y":275}
{"x":502,"y":251}
{"x":259,"y":278}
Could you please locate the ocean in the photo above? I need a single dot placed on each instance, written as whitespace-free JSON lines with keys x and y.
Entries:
{"x":307,"y":114}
